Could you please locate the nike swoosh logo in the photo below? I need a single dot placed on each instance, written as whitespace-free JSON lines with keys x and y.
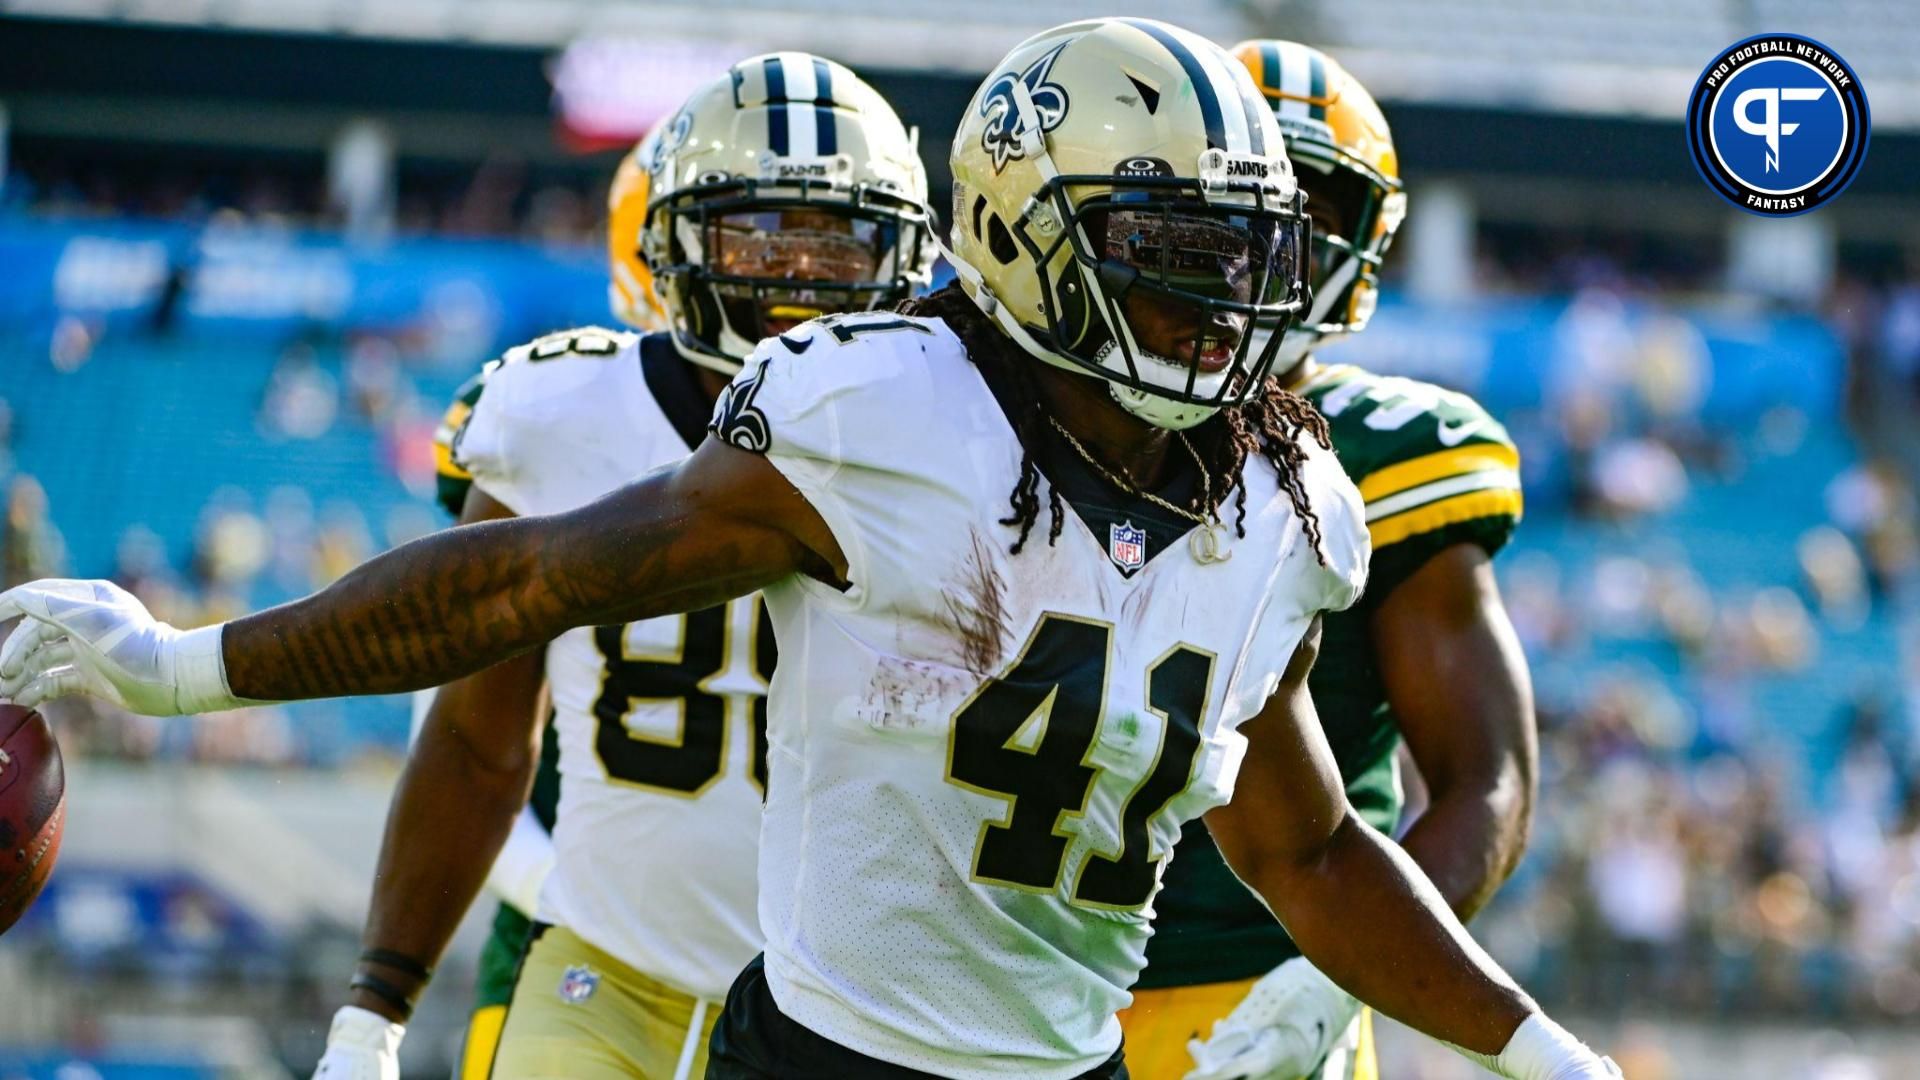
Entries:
{"x":1455,"y":434}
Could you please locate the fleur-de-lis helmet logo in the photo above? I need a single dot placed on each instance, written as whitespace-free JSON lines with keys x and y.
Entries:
{"x":1002,"y":133}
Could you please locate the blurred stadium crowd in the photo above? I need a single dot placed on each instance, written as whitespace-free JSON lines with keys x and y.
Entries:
{"x":504,"y":197}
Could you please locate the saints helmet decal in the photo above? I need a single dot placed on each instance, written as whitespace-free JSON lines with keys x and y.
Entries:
{"x":1002,"y":133}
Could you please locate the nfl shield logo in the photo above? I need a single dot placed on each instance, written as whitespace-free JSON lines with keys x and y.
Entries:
{"x":1127,"y":545}
{"x":577,"y":984}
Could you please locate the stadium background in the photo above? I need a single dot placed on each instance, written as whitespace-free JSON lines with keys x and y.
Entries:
{"x":248,"y":247}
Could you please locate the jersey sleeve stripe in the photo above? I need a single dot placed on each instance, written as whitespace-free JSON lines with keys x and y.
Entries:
{"x":1505,"y":502}
{"x":1484,"y":480}
{"x":1406,"y":475}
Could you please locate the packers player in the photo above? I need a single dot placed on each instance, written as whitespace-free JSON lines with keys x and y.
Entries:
{"x":1046,"y":556}
{"x":527,"y":856}
{"x":660,"y":724}
{"x":1427,"y":656}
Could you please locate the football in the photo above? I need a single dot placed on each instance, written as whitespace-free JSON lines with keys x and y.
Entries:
{"x":33,"y":805}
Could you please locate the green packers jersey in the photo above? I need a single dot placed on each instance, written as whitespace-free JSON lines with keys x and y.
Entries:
{"x":500,"y":957}
{"x":1434,"y":470}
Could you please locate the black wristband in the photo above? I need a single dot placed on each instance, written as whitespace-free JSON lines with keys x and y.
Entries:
{"x":385,"y":991}
{"x":398,"y":961}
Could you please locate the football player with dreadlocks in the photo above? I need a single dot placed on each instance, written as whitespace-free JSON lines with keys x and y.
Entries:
{"x":784,"y":190}
{"x":985,"y":730}
{"x":1428,"y":655}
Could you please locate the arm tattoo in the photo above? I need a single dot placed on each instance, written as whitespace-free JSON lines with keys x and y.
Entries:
{"x":453,"y":603}
{"x":417,"y":616}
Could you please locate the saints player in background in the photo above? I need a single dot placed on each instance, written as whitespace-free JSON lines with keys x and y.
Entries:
{"x":527,"y":856}
{"x":1427,"y":656}
{"x":659,"y":726}
{"x":1047,"y":558}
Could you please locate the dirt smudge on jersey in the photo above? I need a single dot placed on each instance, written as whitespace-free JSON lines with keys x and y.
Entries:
{"x":907,"y":694}
{"x":977,"y":609}
{"x":1133,"y":605}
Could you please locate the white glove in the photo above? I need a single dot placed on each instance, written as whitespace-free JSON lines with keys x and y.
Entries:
{"x":1286,"y":1025}
{"x":361,"y":1045}
{"x":1543,"y":1050}
{"x":93,"y":637}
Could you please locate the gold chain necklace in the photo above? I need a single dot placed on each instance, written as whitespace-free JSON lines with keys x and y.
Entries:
{"x":1207,"y":541}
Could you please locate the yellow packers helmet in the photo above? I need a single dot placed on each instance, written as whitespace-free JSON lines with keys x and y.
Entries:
{"x":630,"y":283}
{"x":1115,"y":173}
{"x":784,"y":190}
{"x":1343,"y":154}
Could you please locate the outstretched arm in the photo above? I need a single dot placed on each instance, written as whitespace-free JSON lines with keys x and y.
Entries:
{"x":1359,"y":908}
{"x":1444,"y":627}
{"x":718,"y":525}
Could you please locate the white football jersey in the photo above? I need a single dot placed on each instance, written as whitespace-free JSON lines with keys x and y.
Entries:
{"x":981,"y":760}
{"x":662,"y":757}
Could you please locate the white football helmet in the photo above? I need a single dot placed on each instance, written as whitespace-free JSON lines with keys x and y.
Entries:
{"x":1120,"y":183}
{"x":786,"y":189}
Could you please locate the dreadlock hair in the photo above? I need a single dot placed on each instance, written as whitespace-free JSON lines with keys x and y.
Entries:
{"x":1270,"y":424}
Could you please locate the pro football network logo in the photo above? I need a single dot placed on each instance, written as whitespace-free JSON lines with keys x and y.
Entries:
{"x":1127,"y":546}
{"x":1778,"y":124}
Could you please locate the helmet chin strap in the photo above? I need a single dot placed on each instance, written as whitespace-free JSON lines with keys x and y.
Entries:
{"x":1159,"y":411}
